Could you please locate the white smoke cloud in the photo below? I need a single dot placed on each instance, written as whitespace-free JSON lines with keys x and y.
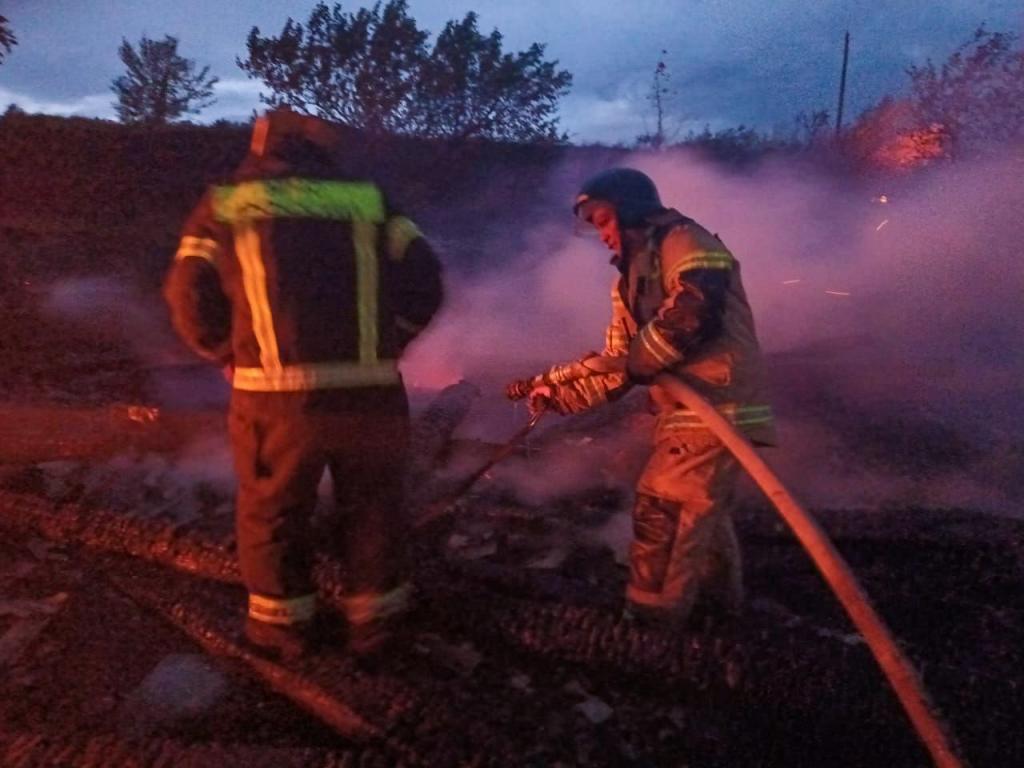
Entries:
{"x":116,"y":312}
{"x":889,"y":328}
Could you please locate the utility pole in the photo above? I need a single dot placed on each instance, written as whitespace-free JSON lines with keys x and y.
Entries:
{"x":842,"y":84}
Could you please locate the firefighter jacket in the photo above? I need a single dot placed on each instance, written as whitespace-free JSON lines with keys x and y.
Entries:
{"x":679,"y":306}
{"x":301,"y":283}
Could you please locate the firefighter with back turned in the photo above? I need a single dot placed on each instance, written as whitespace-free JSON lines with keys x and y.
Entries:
{"x":301,"y":277}
{"x":678,"y":307}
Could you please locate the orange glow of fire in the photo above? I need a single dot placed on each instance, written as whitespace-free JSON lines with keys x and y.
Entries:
{"x":143,"y":414}
{"x":913,"y":149}
{"x":419,"y":375}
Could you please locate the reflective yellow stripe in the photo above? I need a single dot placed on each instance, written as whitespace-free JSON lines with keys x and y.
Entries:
{"x":301,"y":198}
{"x":663,"y":352}
{"x":302,"y":378}
{"x":368,"y":606}
{"x":245,"y":202}
{"x":745,"y":414}
{"x":703,"y":260}
{"x":279,"y":610}
{"x":400,"y":232}
{"x":741,"y":416}
{"x":364,"y":236}
{"x":198,"y":247}
{"x":254,"y":280}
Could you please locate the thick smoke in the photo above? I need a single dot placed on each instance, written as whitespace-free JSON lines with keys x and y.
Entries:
{"x":118,"y":314}
{"x":888,"y":311}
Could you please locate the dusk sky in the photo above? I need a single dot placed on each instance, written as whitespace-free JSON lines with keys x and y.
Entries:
{"x":731,"y":62}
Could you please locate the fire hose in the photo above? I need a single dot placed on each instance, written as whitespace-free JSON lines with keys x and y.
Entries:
{"x":837,"y":573}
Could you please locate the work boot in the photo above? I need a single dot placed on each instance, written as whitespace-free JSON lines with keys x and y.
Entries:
{"x":648,"y":617}
{"x":376,"y":620}
{"x":372,"y":640}
{"x":282,"y":642}
{"x":711,"y":616}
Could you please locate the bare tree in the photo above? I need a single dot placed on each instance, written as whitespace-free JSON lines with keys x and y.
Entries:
{"x":811,"y":128}
{"x":160,"y":86}
{"x":7,"y":38}
{"x":658,"y":95}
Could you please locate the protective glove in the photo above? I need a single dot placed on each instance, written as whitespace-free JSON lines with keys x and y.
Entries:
{"x":542,"y":399}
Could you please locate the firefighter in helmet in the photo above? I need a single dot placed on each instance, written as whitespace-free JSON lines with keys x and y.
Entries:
{"x":678,"y":307}
{"x":303,"y":279}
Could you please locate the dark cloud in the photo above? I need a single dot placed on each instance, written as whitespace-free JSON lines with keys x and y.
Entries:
{"x":733,"y":61}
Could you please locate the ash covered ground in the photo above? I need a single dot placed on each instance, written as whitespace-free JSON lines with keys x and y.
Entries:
{"x":895,"y":381}
{"x":517,"y":654}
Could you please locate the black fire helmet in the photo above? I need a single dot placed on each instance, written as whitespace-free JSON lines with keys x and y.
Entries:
{"x":631,"y":192}
{"x":281,"y":125}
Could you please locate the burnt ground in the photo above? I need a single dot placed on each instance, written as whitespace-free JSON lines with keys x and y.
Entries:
{"x":516,"y":655}
{"x":511,"y":660}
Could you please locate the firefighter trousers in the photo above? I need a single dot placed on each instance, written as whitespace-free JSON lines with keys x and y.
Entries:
{"x":684,"y":544}
{"x":282,"y":442}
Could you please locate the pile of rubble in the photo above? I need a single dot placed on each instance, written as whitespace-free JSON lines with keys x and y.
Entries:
{"x":518,"y":652}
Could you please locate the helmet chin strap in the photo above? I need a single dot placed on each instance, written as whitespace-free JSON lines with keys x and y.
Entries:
{"x":631,"y":239}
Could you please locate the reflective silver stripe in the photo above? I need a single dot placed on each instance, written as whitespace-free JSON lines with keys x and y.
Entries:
{"x":198,"y":247}
{"x":280,"y":610}
{"x":663,"y":352}
{"x":593,"y":390}
{"x":400,"y":232}
{"x":561,"y":374}
{"x":300,"y":378}
{"x":741,"y":416}
{"x":368,"y":606}
{"x":615,"y":340}
{"x":254,"y":281}
{"x":364,"y":238}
